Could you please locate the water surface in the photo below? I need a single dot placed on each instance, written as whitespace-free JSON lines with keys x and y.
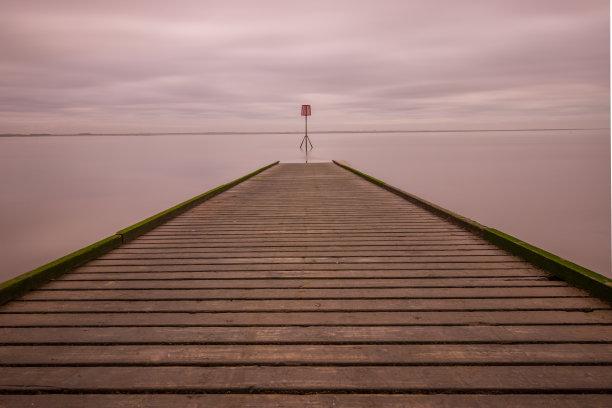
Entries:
{"x":60,"y":193}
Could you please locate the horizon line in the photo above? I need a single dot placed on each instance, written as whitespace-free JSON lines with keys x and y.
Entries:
{"x":292,"y":132}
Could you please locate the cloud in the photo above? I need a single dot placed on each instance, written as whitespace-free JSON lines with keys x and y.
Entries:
{"x":71,"y":66}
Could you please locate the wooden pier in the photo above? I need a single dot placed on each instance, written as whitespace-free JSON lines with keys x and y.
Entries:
{"x":306,"y":285}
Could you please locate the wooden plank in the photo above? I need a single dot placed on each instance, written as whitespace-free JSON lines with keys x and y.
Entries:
{"x":330,"y":229}
{"x":265,"y":378}
{"x":565,"y":333}
{"x":248,"y":223}
{"x":327,"y":213}
{"x":309,"y":260}
{"x":465,"y":238}
{"x":345,"y":305}
{"x":297,"y":274}
{"x":296,"y":253}
{"x":291,"y":234}
{"x":338,"y":226}
{"x":396,"y":223}
{"x":294,"y":235}
{"x":304,"y":283}
{"x":210,"y":294}
{"x":312,"y":245}
{"x":307,"y":400}
{"x":349,"y":230}
{"x":313,"y":267}
{"x":392,"y":354}
{"x":259,"y":249}
{"x":305,"y":318}
{"x":137,"y":247}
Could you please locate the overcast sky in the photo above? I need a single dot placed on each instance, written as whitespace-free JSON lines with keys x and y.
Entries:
{"x":163,"y":66}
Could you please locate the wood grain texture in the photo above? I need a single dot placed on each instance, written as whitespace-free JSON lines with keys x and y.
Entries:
{"x":460,"y":334}
{"x":304,"y":283}
{"x":308,"y":400}
{"x":287,"y":355}
{"x":306,"y":286}
{"x":304,"y":293}
{"x":584,"y":378}
{"x":296,"y":305}
{"x":284,"y":318}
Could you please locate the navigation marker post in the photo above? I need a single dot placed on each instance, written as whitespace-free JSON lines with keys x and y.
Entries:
{"x":306,"y":139}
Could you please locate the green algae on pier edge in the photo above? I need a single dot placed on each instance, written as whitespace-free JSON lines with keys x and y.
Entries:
{"x":147,"y":224}
{"x":579,"y":276}
{"x":21,"y":284}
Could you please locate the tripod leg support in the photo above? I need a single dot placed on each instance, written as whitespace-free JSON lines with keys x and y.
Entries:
{"x":305,"y":142}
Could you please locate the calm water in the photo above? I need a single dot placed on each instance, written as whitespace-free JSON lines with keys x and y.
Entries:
{"x":61,"y":193}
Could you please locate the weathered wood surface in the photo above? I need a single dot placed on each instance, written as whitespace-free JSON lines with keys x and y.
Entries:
{"x":301,"y":283}
{"x":320,"y":318}
{"x":266,"y":378}
{"x":304,"y":293}
{"x":307,"y":400}
{"x":306,"y":279}
{"x":301,"y":305}
{"x":459,"y":334}
{"x":291,"y":355}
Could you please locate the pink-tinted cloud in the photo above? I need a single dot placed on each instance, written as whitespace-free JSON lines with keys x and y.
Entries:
{"x":113,"y":66}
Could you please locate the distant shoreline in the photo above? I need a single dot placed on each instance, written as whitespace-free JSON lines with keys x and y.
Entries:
{"x":290,"y":132}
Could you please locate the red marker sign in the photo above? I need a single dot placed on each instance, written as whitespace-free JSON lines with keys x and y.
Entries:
{"x":306,"y":140}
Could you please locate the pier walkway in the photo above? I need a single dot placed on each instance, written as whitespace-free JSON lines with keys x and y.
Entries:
{"x":306,"y":285}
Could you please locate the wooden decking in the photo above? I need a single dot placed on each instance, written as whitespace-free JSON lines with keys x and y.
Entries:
{"x":306,"y":286}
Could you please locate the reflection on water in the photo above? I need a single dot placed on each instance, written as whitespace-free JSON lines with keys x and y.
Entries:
{"x":61,"y":193}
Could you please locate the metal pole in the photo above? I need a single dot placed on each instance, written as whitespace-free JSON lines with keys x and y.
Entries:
{"x":306,"y":131}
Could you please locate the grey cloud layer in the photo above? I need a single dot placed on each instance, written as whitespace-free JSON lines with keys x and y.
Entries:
{"x":73,"y":66}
